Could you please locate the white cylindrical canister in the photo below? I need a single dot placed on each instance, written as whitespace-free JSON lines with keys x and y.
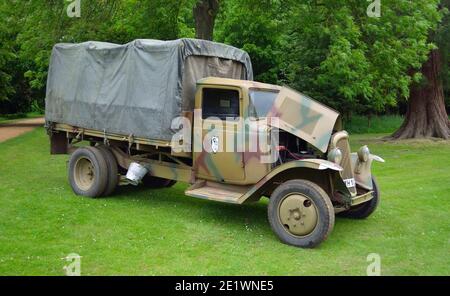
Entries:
{"x":135,"y":173}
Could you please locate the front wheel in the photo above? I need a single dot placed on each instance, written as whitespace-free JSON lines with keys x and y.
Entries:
{"x":301,"y":213}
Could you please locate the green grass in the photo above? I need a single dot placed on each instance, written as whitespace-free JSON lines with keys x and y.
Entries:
{"x":4,"y":118}
{"x":378,"y":124}
{"x":162,"y":232}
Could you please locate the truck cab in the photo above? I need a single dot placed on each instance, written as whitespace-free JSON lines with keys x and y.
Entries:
{"x":225,"y":114}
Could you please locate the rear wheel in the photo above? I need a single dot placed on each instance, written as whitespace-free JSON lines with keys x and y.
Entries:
{"x":113,"y":170}
{"x":156,"y":182}
{"x":88,"y":172}
{"x":366,"y":209}
{"x":301,"y":213}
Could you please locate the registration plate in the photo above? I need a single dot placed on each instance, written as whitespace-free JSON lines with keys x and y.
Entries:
{"x":349,"y":182}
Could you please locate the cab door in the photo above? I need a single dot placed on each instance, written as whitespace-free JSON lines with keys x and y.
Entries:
{"x":218,"y":118}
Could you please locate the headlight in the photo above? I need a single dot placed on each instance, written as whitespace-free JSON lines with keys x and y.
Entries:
{"x":363,"y":154}
{"x":335,"y":156}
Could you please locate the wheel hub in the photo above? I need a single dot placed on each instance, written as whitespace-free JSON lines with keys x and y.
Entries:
{"x":298,"y":214}
{"x":84,"y":173}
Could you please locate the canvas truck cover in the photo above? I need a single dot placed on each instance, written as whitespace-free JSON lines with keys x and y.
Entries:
{"x":137,"y":88}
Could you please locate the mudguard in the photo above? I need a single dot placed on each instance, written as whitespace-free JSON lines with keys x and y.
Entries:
{"x":316,"y":164}
{"x":363,"y":170}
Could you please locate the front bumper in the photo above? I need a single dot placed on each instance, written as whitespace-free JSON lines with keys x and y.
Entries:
{"x":359,"y":199}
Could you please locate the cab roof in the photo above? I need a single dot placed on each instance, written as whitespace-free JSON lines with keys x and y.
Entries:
{"x":235,"y":82}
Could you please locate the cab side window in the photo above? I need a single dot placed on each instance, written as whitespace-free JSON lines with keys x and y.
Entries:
{"x":221,"y":103}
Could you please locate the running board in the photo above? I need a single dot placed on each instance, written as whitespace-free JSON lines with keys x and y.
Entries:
{"x":217,"y":192}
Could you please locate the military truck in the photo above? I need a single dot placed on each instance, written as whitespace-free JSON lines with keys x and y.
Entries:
{"x":159,"y":112}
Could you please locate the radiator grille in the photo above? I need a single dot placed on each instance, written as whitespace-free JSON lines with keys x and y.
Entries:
{"x":347,"y":173}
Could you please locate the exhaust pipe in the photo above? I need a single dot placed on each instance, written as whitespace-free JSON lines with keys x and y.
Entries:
{"x":135,"y":173}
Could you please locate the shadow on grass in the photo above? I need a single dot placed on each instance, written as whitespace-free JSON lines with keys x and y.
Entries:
{"x":252,"y":215}
{"x":207,"y":210}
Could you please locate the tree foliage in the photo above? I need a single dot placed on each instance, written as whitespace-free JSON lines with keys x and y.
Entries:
{"x":442,"y":39}
{"x":329,"y":49}
{"x":31,"y":28}
{"x":254,"y":26}
{"x":354,"y":62}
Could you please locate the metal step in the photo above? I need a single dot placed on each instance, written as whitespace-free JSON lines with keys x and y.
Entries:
{"x":217,"y":192}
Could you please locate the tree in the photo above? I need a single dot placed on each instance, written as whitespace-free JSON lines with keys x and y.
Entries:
{"x":26,"y":40}
{"x":6,"y":56}
{"x":338,"y":54}
{"x":426,"y":115}
{"x":254,"y":26}
{"x":14,"y":94}
{"x":330,"y":50}
{"x":205,"y":12}
{"x":154,"y":19}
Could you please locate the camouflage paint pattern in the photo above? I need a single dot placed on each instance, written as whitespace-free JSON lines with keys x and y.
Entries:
{"x":300,"y":116}
{"x":221,"y":166}
{"x":252,"y":193}
{"x":304,"y":118}
{"x":317,"y":164}
{"x":167,"y":170}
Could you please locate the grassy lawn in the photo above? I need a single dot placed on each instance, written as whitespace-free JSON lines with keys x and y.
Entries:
{"x":162,"y":232}
{"x":360,"y":124}
{"x":378,"y":124}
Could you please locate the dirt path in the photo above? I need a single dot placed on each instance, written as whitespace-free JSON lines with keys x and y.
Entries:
{"x":18,"y":127}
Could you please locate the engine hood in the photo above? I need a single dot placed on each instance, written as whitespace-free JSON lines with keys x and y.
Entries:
{"x":303,"y":117}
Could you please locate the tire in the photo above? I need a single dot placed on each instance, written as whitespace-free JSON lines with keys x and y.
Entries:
{"x":170,"y":183}
{"x":113,"y":170}
{"x":88,"y":172}
{"x":366,"y":209}
{"x":303,"y":200}
{"x":156,"y":182}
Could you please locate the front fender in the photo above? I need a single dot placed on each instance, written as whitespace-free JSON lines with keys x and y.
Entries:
{"x":315,"y":164}
{"x":363,"y":170}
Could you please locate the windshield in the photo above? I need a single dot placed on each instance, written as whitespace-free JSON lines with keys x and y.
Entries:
{"x":261,"y":102}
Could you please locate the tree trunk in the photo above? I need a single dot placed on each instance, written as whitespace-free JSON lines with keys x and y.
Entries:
{"x":205,"y":13}
{"x":426,"y":115}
